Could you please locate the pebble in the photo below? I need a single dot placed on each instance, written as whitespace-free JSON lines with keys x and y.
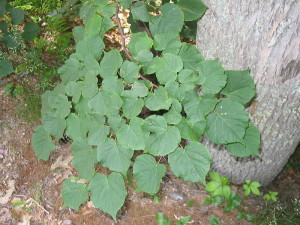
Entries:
{"x":176,"y":197}
{"x":68,"y":222}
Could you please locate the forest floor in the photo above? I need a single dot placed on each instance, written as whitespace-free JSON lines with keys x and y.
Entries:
{"x":30,"y":190}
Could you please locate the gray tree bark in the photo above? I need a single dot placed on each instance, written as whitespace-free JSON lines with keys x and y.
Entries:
{"x":265,"y":37}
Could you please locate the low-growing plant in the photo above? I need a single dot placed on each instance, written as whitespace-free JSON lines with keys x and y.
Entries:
{"x":162,"y":219}
{"x":154,"y":99}
{"x":13,"y":90}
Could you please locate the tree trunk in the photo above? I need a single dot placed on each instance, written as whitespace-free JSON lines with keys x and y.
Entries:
{"x":265,"y":37}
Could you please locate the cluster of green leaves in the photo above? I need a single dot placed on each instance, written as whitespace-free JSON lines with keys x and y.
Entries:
{"x":13,"y":90}
{"x":11,"y":17}
{"x":162,"y":219}
{"x":157,"y":102}
{"x":221,"y":193}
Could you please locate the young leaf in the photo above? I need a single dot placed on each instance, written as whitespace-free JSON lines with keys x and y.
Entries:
{"x":183,"y":221}
{"x":140,"y":12}
{"x":212,"y":76}
{"x":113,"y":156}
{"x":250,"y":144}
{"x":213,"y":220}
{"x":170,"y":19}
{"x":84,"y":158}
{"x":192,"y":9}
{"x":42,"y":143}
{"x":148,"y":173}
{"x":161,"y":219}
{"x":107,"y":68}
{"x":240,"y":86}
{"x":74,"y":194}
{"x":167,"y":68}
{"x":228,"y":122}
{"x":191,"y":163}
{"x":108,"y":192}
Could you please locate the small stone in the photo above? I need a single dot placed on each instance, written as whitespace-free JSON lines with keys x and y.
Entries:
{"x":176,"y":197}
{"x":67,"y":222}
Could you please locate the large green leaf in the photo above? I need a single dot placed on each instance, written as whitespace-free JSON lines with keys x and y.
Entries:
{"x":17,"y":16}
{"x":169,"y":42}
{"x":97,"y":135}
{"x":163,"y":143}
{"x":77,"y":126}
{"x":158,"y":100}
{"x":132,"y":104}
{"x":90,"y":45}
{"x":191,"y":131}
{"x":105,"y":103}
{"x":191,"y":163}
{"x":131,"y":136}
{"x":78,"y":33}
{"x":155,"y":124}
{"x":54,"y":125}
{"x":5,"y":67}
{"x":113,"y":84}
{"x":113,"y":156}
{"x":129,"y":71}
{"x":93,"y":24}
{"x":250,"y":144}
{"x":42,"y":143}
{"x":173,"y":116}
{"x":227,"y":123}
{"x":110,"y":63}
{"x":3,"y":5}
{"x":167,"y":68}
{"x":170,"y":19}
{"x":84,"y":158}
{"x":148,"y":173}
{"x":140,"y":12}
{"x":240,"y":86}
{"x":139,"y":42}
{"x":74,"y":194}
{"x":197,"y":107}
{"x":89,"y":87}
{"x":108,"y":192}
{"x":175,"y":90}
{"x":70,"y":71}
{"x":140,"y":87}
{"x":190,"y":56}
{"x":192,"y":9}
{"x":62,"y":106}
{"x":30,"y":31}
{"x":212,"y":76}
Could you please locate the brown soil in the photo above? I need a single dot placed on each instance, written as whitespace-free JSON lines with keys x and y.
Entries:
{"x":36,"y":185}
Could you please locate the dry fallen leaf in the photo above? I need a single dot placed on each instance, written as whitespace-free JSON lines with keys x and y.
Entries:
{"x":11,"y":187}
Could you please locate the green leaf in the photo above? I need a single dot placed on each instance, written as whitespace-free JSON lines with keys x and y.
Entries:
{"x":191,"y":163}
{"x":113,"y":84}
{"x":155,"y":124}
{"x":213,"y":220}
{"x":190,"y":55}
{"x":173,"y":116}
{"x":129,"y":71}
{"x":212,"y":76}
{"x":139,"y":42}
{"x":164,"y":142}
{"x":158,"y":100}
{"x":148,"y":173}
{"x":3,"y":5}
{"x":192,"y":9}
{"x":77,"y":127}
{"x":161,"y":219}
{"x":108,"y":192}
{"x":90,"y":45}
{"x":62,"y":106}
{"x":115,"y":122}
{"x":70,"y":71}
{"x":189,"y":131}
{"x":169,"y":41}
{"x":140,"y":12}
{"x":107,"y":68}
{"x":227,"y":123}
{"x":97,"y":135}
{"x":125,"y":3}
{"x":78,"y":33}
{"x":170,"y":19}
{"x":132,"y":105}
{"x":189,"y":30}
{"x":5,"y":67}
{"x":175,"y":90}
{"x":30,"y":31}
{"x":89,"y":86}
{"x":140,"y":88}
{"x":113,"y":156}
{"x":197,"y":107}
{"x":187,"y":76}
{"x":3,"y":26}
{"x":131,"y":136}
{"x":240,"y":86}
{"x":250,"y":144}
{"x":84,"y":158}
{"x":17,"y":16}
{"x":54,"y":125}
{"x":167,"y":68}
{"x":105,"y":103}
{"x":93,"y":24}
{"x":42,"y":143}
{"x":74,"y":194}
{"x":183,"y":221}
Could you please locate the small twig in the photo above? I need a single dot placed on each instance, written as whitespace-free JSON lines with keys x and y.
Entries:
{"x":123,"y":38}
{"x":147,"y":30}
{"x":31,"y":199}
{"x":144,"y":78}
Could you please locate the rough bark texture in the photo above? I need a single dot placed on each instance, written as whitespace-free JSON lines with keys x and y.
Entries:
{"x":265,"y":37}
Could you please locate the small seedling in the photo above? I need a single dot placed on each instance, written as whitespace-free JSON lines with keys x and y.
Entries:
{"x":271,"y":196}
{"x":183,"y":221}
{"x":190,"y":203}
{"x":156,"y":199}
{"x":213,"y":220}
{"x":251,"y":187}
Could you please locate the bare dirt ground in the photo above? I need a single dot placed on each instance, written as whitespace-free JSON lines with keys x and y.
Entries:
{"x":30,"y":189}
